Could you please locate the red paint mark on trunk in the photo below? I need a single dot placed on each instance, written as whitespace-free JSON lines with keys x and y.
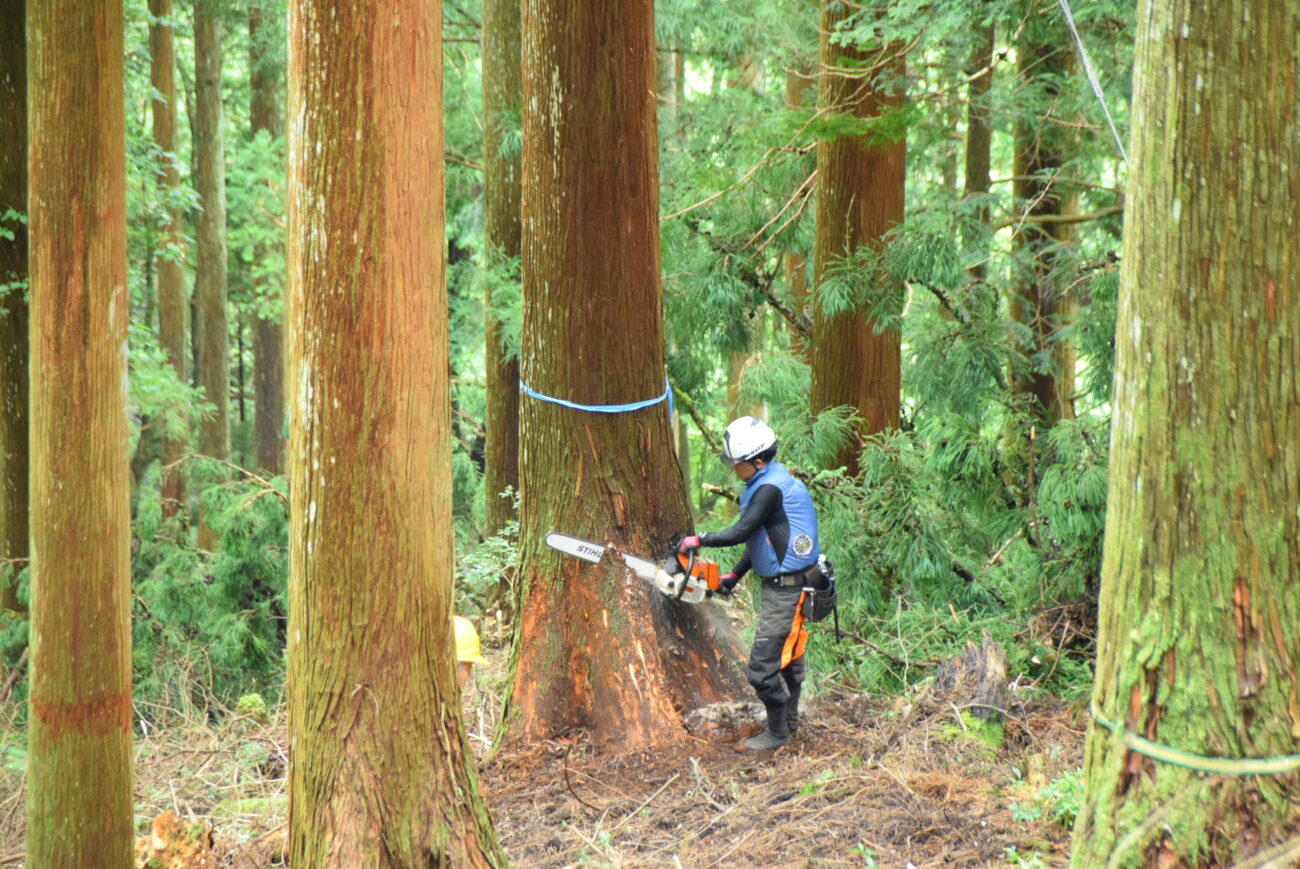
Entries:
{"x":103,"y":715}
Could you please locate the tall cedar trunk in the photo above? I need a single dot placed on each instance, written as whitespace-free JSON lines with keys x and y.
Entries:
{"x":501,"y":176}
{"x":797,"y":81}
{"x":13,"y":308}
{"x":599,"y":648}
{"x":1043,"y":146}
{"x":268,"y":337}
{"x":213,"y":352}
{"x":979,"y":129}
{"x":79,"y":732}
{"x":859,"y":198}
{"x":172,"y":301}
{"x":1199,"y":641}
{"x":381,"y":773}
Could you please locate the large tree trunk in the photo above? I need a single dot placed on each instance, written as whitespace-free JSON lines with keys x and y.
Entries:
{"x":1199,"y":640}
{"x":79,"y":731}
{"x":172,"y":301}
{"x":13,"y":307}
{"x":859,"y":198}
{"x":268,"y":339}
{"x":599,"y":648}
{"x":501,"y":177}
{"x":213,"y":351}
{"x":1043,"y":146}
{"x":381,"y":774}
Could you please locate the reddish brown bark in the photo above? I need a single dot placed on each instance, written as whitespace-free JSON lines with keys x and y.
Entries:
{"x":381,"y":774}
{"x":172,"y":301}
{"x":79,"y":737}
{"x":598,"y":648}
{"x":859,"y":198}
{"x":501,"y":192}
{"x":212,"y":354}
{"x":265,"y":80}
{"x":13,"y":308}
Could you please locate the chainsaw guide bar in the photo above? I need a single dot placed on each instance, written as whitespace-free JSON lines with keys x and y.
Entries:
{"x":693,"y":591}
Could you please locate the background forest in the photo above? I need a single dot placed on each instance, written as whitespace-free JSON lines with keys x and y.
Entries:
{"x":982,"y":502}
{"x":979,"y":513}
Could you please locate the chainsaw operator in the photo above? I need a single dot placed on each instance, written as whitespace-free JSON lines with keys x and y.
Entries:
{"x":778,"y":526}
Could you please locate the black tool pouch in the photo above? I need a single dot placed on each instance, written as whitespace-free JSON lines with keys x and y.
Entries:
{"x":819,"y":584}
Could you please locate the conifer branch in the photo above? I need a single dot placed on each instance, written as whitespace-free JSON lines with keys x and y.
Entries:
{"x":1058,"y":219}
{"x":688,"y":405}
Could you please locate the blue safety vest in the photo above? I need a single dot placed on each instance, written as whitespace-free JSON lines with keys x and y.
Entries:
{"x":803,"y":548}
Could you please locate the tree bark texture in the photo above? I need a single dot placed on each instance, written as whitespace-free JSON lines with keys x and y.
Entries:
{"x":265,"y":115}
{"x":1199,"y":635}
{"x":598,"y":648}
{"x":381,"y":774}
{"x":13,"y":307}
{"x":213,"y":352}
{"x":502,"y":96}
{"x":172,"y":297}
{"x":79,"y":736}
{"x":1037,"y":300}
{"x":859,"y":198}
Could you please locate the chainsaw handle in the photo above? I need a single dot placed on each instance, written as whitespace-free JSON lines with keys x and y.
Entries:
{"x":690,"y":566}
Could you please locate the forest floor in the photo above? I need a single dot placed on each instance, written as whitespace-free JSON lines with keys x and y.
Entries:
{"x":909,"y":782}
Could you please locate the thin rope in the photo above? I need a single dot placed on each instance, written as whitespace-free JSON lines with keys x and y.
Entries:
{"x":1092,"y":77}
{"x":1199,"y":762}
{"x":602,"y":408}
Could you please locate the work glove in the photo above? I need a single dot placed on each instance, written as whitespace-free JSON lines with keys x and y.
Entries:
{"x":688,"y":544}
{"x":727,"y":582}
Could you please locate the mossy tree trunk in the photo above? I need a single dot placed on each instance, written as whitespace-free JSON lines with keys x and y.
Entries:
{"x":13,"y":306}
{"x":598,"y":648}
{"x":1043,"y":149}
{"x":381,"y":774}
{"x":79,"y":731}
{"x":501,"y":186}
{"x":213,"y":331}
{"x":1199,"y":636}
{"x":859,"y":198}
{"x":266,"y":77}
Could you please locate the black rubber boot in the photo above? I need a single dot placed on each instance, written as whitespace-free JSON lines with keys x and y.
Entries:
{"x":792,"y":710}
{"x":777,"y":733}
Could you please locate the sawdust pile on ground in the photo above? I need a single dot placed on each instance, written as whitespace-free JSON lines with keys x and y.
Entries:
{"x":862,"y":782}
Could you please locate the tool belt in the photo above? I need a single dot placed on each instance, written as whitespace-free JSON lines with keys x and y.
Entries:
{"x":785,"y":580}
{"x":788,"y":580}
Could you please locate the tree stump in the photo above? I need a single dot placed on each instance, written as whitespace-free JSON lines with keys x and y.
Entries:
{"x":975,"y":680}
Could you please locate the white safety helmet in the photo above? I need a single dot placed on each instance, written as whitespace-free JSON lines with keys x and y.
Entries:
{"x":746,"y":438}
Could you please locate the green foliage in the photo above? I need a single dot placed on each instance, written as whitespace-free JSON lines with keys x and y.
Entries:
{"x":485,"y":567}
{"x":252,"y":706}
{"x":1058,"y":801}
{"x":216,"y":619}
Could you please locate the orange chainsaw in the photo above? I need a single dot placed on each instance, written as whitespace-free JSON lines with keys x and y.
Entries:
{"x":689,"y":579}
